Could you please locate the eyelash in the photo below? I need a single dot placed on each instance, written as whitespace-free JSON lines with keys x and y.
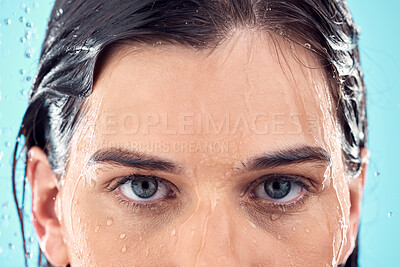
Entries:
{"x":249,"y":191}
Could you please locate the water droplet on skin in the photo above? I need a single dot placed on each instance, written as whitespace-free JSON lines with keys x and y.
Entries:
{"x":97,"y":229}
{"x":253,"y":225}
{"x":192,"y":233}
{"x":306,"y":230}
{"x":255,"y":242}
{"x":110,"y":221}
{"x":294,"y":228}
{"x":92,"y":183}
{"x":173,"y":232}
{"x":123,"y":249}
{"x":390,"y":214}
{"x":122,"y":236}
{"x":307,"y":45}
{"x":279,"y":237}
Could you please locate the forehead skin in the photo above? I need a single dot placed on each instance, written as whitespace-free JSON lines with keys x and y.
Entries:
{"x":248,"y":79}
{"x":271,"y":101}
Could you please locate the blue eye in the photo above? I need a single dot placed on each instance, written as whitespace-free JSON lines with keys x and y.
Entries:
{"x":143,"y":188}
{"x":282,"y":190}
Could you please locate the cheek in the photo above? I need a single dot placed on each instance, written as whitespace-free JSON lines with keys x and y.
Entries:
{"x":304,"y":238}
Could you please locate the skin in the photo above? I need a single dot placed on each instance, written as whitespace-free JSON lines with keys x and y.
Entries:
{"x":213,"y":217}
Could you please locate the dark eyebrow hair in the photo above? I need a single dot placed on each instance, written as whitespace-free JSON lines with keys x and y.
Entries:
{"x":132,"y":159}
{"x":289,"y":156}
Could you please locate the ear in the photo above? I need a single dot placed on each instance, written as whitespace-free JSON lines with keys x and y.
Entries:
{"x":44,"y":194}
{"x":356,"y":188}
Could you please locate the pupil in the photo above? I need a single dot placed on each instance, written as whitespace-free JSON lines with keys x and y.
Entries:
{"x":276,"y":185}
{"x":277,"y":189}
{"x":144,"y":186}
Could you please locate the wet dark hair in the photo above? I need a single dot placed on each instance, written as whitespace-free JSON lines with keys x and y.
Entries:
{"x":80,"y":31}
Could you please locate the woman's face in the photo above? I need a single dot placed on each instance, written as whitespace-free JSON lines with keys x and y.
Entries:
{"x":207,"y":158}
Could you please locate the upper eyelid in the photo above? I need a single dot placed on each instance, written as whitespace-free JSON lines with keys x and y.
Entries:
{"x":123,"y":179}
{"x":275,"y":177}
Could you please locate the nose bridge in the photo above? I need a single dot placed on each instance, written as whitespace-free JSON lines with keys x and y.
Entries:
{"x":213,"y":232}
{"x":218,"y":236}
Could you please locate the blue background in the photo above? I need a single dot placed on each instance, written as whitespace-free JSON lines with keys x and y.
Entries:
{"x":22,"y":29}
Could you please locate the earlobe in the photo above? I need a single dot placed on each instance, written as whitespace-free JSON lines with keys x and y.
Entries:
{"x":44,"y":193}
{"x":356,"y":188}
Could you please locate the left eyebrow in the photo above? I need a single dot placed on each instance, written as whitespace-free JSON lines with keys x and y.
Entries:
{"x":289,"y":156}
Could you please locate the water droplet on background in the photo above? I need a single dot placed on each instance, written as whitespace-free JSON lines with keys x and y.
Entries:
{"x":28,"y":54}
{"x":5,"y":204}
{"x":390,"y":214}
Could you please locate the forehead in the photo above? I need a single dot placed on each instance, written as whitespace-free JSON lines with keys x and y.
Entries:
{"x":251,"y":94}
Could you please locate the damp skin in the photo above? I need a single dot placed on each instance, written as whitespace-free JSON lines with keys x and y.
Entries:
{"x":168,"y":104}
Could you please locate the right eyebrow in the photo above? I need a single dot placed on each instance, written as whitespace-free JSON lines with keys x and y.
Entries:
{"x":132,"y":159}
